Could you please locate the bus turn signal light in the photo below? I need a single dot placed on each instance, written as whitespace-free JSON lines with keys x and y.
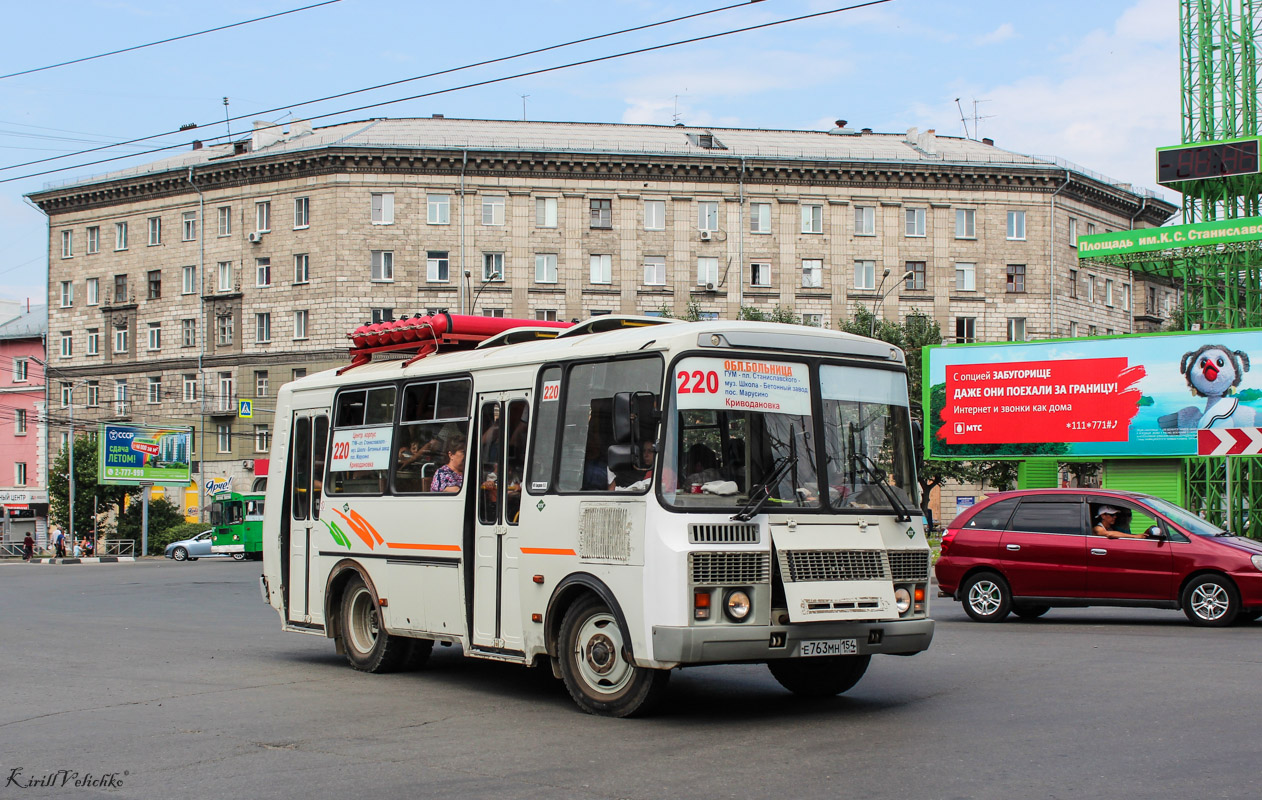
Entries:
{"x":701,"y":604}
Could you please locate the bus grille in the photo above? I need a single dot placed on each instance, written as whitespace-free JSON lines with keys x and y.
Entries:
{"x":727,"y":569}
{"x":909,"y":566}
{"x":722,"y":533}
{"x":833,"y":565}
{"x":603,"y":533}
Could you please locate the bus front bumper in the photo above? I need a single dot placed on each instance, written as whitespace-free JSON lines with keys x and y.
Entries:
{"x":724,"y":644}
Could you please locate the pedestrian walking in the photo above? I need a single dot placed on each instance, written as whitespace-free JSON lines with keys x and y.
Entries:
{"x":59,"y":542}
{"x":28,"y":547}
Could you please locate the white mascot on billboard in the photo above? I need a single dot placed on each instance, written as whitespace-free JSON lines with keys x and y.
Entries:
{"x":1213,"y":372}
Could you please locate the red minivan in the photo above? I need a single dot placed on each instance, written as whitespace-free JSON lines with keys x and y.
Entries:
{"x":1028,"y":551}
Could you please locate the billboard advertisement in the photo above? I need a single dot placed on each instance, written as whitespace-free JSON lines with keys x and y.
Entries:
{"x":1079,"y":399}
{"x":132,"y":454}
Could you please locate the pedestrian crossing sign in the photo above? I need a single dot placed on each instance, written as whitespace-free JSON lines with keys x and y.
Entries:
{"x":245,"y":408}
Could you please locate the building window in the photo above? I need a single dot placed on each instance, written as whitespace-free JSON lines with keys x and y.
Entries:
{"x":760,"y":274}
{"x":297,"y":372}
{"x":812,"y":218}
{"x":812,"y":273}
{"x":225,"y":220}
{"x":263,"y":272}
{"x":190,"y":388}
{"x":223,"y":438}
{"x":1073,"y":283}
{"x":20,"y":370}
{"x":19,"y":473}
{"x":223,"y":330}
{"x":1090,"y":288}
{"x":1091,"y":229}
{"x":67,"y":294}
{"x":438,"y":209}
{"x":1073,"y":232}
{"x":94,"y":394}
{"x":300,"y":325}
{"x":260,"y":383}
{"x":1073,"y":330}
{"x":1092,"y":330}
{"x":188,"y":333}
{"x":155,"y":391}
{"x":437,"y":266}
{"x":965,"y":330}
{"x":546,"y":315}
{"x":1016,"y":278}
{"x":154,"y":284}
{"x":262,"y":438}
{"x":381,"y":208}
{"x":545,"y":268}
{"x":1108,"y":292}
{"x":227,"y":392}
{"x":302,"y":212}
{"x":155,"y":335}
{"x":655,"y":270}
{"x":120,"y":397}
{"x":382,"y":265}
{"x":67,"y":344}
{"x":224,"y":283}
{"x":263,"y":327}
{"x":120,"y":289}
{"x":708,"y":272}
{"x":492,"y":266}
{"x":1016,"y":225}
{"x":602,"y":213}
{"x":965,"y":223}
{"x":67,"y":244}
{"x":865,"y":221}
{"x":263,"y":216}
{"x":1126,"y":297}
{"x":915,"y":281}
{"x":965,"y":277}
{"x":120,"y":235}
{"x":382,"y":315}
{"x":1016,"y":329}
{"x":915,"y":219}
{"x":94,"y":341}
{"x":602,"y":268}
{"x":67,"y":394}
{"x":155,"y":231}
{"x":94,"y":239}
{"x":302,"y":268}
{"x":94,"y":291}
{"x":654,"y":215}
{"x":545,"y":212}
{"x":707,"y":216}
{"x":493,"y":210}
{"x":760,"y":217}
{"x":813,"y":320}
{"x":189,"y":226}
{"x":120,"y":340}
{"x":865,"y":275}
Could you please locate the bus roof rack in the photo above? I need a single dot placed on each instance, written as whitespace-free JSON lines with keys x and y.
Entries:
{"x":613,"y":322}
{"x":423,"y":335}
{"x":519,"y":335}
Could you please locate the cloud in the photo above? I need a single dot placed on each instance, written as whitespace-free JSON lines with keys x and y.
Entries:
{"x":1001,"y":34}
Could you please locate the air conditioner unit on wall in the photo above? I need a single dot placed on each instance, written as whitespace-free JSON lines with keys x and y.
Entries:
{"x":706,"y":236}
{"x":248,"y":464}
{"x":255,"y":237}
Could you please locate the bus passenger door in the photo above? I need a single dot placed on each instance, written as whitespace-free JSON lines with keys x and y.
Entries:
{"x":496,"y":481}
{"x":306,"y":477}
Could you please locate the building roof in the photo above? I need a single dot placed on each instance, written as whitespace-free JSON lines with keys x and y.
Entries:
{"x":437,"y":133}
{"x":21,"y":322}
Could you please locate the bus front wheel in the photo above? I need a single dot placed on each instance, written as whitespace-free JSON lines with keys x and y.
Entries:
{"x":819,"y":676}
{"x":368,"y":647}
{"x":594,"y":665}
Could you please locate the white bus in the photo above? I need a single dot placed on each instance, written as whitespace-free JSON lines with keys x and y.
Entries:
{"x":619,"y":500}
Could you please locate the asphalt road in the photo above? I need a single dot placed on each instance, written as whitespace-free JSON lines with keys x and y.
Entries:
{"x":177,"y":680}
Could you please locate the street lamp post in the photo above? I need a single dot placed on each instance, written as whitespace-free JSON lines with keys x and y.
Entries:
{"x":495,"y":276}
{"x":880,"y":298}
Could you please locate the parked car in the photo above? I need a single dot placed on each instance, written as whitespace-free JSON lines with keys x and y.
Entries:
{"x":1026,"y":552}
{"x":197,"y":547}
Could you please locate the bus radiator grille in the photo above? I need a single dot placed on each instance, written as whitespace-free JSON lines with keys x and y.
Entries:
{"x":604,"y":533}
{"x":833,"y":565}
{"x":722,"y":533}
{"x":909,"y":566}
{"x":728,"y":569}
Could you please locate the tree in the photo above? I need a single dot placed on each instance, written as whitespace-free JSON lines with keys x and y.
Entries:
{"x":163,"y":515}
{"x":86,"y":487}
{"x":777,"y":314}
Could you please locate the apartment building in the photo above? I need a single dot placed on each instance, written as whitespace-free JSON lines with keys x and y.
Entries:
{"x":23,"y":429}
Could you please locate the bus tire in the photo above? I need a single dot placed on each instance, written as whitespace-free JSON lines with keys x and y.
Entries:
{"x":594,"y":666}
{"x":367,"y":645}
{"x":822,"y":676}
{"x":238,"y":556}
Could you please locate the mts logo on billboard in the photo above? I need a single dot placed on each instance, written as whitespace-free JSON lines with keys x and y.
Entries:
{"x":961,"y":428}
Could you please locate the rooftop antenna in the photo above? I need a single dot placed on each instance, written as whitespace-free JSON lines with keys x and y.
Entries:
{"x":963,"y":121}
{"x":977,"y":119}
{"x":523,"y":107}
{"x":227,"y":118}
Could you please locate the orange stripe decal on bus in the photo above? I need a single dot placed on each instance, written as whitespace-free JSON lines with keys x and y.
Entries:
{"x":547,"y":551}
{"x":409,"y":546}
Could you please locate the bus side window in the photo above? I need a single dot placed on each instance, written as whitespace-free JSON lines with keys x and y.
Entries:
{"x":435,"y":414}
{"x":588,"y":408}
{"x":543,"y":445}
{"x":515,"y":460}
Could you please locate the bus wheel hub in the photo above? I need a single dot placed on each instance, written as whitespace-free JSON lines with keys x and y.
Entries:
{"x":600,"y":654}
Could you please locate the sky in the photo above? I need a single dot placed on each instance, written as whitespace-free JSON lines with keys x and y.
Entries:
{"x":1094,"y":82}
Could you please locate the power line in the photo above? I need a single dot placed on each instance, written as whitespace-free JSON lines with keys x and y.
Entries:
{"x":449,"y":90}
{"x":166,"y":41}
{"x":229,"y":120}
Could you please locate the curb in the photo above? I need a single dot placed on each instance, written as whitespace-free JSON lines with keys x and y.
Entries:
{"x":92,"y":560}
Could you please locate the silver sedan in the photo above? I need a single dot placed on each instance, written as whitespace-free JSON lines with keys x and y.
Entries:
{"x":197,"y":547}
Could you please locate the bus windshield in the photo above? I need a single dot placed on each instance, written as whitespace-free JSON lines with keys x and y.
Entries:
{"x":744,"y":428}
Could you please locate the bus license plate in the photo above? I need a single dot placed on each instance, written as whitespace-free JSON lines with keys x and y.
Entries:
{"x":829,"y":647}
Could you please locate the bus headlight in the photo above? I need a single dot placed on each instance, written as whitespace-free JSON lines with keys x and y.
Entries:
{"x":902,"y":599}
{"x":737,"y":605}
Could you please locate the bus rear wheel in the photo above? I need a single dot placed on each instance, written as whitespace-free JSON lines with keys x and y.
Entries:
{"x":819,"y":676}
{"x":594,"y":665}
{"x":238,"y":556}
{"x":367,"y":645}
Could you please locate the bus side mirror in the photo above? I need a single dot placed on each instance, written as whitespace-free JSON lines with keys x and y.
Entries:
{"x":620,"y":457}
{"x":622,"y":422}
{"x":635,"y":415}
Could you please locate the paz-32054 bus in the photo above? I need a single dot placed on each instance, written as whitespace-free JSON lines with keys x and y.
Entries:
{"x":615,"y":499}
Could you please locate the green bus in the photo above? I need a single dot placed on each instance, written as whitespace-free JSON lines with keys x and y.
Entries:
{"x":238,"y":525}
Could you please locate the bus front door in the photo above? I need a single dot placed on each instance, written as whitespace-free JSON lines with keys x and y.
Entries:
{"x":306,"y":477}
{"x":499,"y":465}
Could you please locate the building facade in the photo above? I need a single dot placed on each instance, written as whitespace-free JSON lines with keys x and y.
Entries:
{"x":23,"y":427}
{"x":180,"y":287}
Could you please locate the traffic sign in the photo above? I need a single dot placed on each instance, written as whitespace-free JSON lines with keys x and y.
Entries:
{"x":1229,"y":441}
{"x":245,"y":408}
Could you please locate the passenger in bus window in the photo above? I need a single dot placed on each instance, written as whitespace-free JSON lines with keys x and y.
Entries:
{"x":450,"y":476}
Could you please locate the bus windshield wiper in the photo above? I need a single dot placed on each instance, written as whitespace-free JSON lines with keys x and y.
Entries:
{"x":759,"y":495}
{"x":878,"y":476}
